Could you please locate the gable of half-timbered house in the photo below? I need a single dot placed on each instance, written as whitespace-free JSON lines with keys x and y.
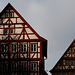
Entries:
{"x":21,"y":48}
{"x":66,"y":64}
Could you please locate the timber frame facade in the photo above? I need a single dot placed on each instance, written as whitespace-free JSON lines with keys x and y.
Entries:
{"x":66,"y":64}
{"x":22,"y":50}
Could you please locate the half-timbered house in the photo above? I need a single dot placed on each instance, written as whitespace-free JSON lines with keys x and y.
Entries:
{"x":22,"y":50}
{"x":66,"y":64}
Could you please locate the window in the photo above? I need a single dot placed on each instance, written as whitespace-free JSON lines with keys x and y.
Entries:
{"x":34,"y":66}
{"x":4,"y":48}
{"x":11,"y":14}
{"x":11,"y":31}
{"x":4,"y":67}
{"x":23,"y":47}
{"x":6,"y":31}
{"x":14,"y":66}
{"x":14,"y":48}
{"x":33,"y":47}
{"x":73,"y":63}
{"x":60,"y":73}
{"x":7,"y":14}
{"x":67,"y":63}
{"x":23,"y":66}
{"x":66,"y":73}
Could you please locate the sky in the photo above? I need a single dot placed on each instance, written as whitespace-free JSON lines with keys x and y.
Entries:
{"x":52,"y":19}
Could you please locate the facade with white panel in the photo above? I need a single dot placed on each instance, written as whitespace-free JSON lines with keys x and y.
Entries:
{"x":22,"y":50}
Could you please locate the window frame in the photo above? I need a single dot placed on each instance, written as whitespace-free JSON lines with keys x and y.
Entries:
{"x":23,"y":66}
{"x":33,"y":47}
{"x":73,"y":62}
{"x":4,"y":48}
{"x":13,"y":48}
{"x":67,"y":62}
{"x":23,"y":47}
{"x":14,"y":66}
{"x":9,"y":14}
{"x":34,"y":66}
{"x":6,"y":31}
{"x":11,"y":31}
{"x":4,"y":66}
{"x":12,"y":13}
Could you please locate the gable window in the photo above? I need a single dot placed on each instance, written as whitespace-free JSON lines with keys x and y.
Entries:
{"x":6,"y":31}
{"x":73,"y":63}
{"x":67,"y":63}
{"x":34,"y":66}
{"x":23,"y":47}
{"x":13,"y":48}
{"x":11,"y":14}
{"x":4,"y":48}
{"x":7,"y":14}
{"x":33,"y":47}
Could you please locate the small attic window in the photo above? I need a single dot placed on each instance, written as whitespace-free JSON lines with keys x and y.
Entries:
{"x":7,"y":14}
{"x":11,"y":14}
{"x":67,"y":63}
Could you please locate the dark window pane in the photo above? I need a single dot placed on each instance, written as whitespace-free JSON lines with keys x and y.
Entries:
{"x":11,"y":31}
{"x":31,"y":47}
{"x":21,"y":48}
